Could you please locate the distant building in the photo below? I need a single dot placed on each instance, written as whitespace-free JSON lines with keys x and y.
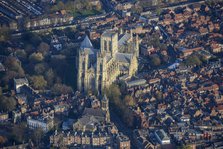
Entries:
{"x":123,"y":142}
{"x":134,"y":83}
{"x":4,"y":116}
{"x":92,"y":117}
{"x":162,"y":137}
{"x":18,"y":83}
{"x":16,"y":116}
{"x":45,"y":123}
{"x":97,"y":69}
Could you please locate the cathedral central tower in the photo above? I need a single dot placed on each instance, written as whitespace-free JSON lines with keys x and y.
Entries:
{"x":97,"y":69}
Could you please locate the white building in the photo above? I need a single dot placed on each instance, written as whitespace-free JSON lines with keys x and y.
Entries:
{"x":44,"y":123}
{"x":162,"y":137}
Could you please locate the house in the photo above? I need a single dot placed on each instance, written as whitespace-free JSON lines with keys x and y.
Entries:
{"x":4,"y":116}
{"x":18,"y":83}
{"x":45,"y":123}
{"x":216,"y":48}
{"x":189,"y":51}
{"x":138,"y":82}
{"x":16,"y":116}
{"x":162,"y":137}
{"x":123,"y":141}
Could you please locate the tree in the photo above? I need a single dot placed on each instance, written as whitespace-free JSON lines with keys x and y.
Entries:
{"x":60,"y":66}
{"x":5,"y":33}
{"x":113,"y":93}
{"x":128,"y":117}
{"x":29,"y":48}
{"x":40,"y":68}
{"x":158,"y":10}
{"x":37,"y":135}
{"x":36,"y":57}
{"x":21,"y":54}
{"x":7,"y":104}
{"x":31,"y":38}
{"x":155,"y":60}
{"x":13,"y":64}
{"x":192,"y":60}
{"x":129,"y":101}
{"x":38,"y":82}
{"x":9,"y":75}
{"x":49,"y":76}
{"x":43,"y":48}
{"x":19,"y":133}
{"x":59,"y":89}
{"x":2,"y":140}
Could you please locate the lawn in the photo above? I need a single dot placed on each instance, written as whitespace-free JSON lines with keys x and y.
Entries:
{"x":85,"y":13}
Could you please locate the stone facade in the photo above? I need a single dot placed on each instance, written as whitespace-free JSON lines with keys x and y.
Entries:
{"x":97,"y":69}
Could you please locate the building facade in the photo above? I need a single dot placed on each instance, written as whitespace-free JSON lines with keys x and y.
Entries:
{"x":44,"y":123}
{"x":97,"y":69}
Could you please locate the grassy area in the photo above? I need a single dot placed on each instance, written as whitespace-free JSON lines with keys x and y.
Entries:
{"x":85,"y":13}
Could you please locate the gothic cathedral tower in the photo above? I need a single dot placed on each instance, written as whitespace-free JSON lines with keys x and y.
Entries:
{"x":105,"y":107}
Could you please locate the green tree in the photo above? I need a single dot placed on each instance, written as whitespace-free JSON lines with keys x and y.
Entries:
{"x":40,"y":68}
{"x":192,"y":60}
{"x":36,"y":57}
{"x":21,"y":54}
{"x":31,"y":38}
{"x":155,"y":60}
{"x":14,"y":65}
{"x":38,"y":82}
{"x":14,"y":69}
{"x":19,"y":133}
{"x":158,"y":10}
{"x":37,"y":136}
{"x":113,"y":93}
{"x":43,"y":48}
{"x":128,"y":117}
{"x":7,"y":104}
{"x":59,"y":89}
{"x":49,"y":76}
{"x":29,"y":49}
{"x":129,"y":101}
{"x":2,"y":140}
{"x":5,"y":33}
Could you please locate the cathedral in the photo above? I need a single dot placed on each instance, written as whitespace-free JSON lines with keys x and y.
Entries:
{"x":116,"y":59}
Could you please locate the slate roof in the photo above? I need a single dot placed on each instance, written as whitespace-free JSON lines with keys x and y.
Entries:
{"x":109,"y":33}
{"x":105,"y":97}
{"x":94,"y":112}
{"x":123,"y":57}
{"x":88,"y":120}
{"x":123,"y":39}
{"x":21,"y":81}
{"x":86,"y":43}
